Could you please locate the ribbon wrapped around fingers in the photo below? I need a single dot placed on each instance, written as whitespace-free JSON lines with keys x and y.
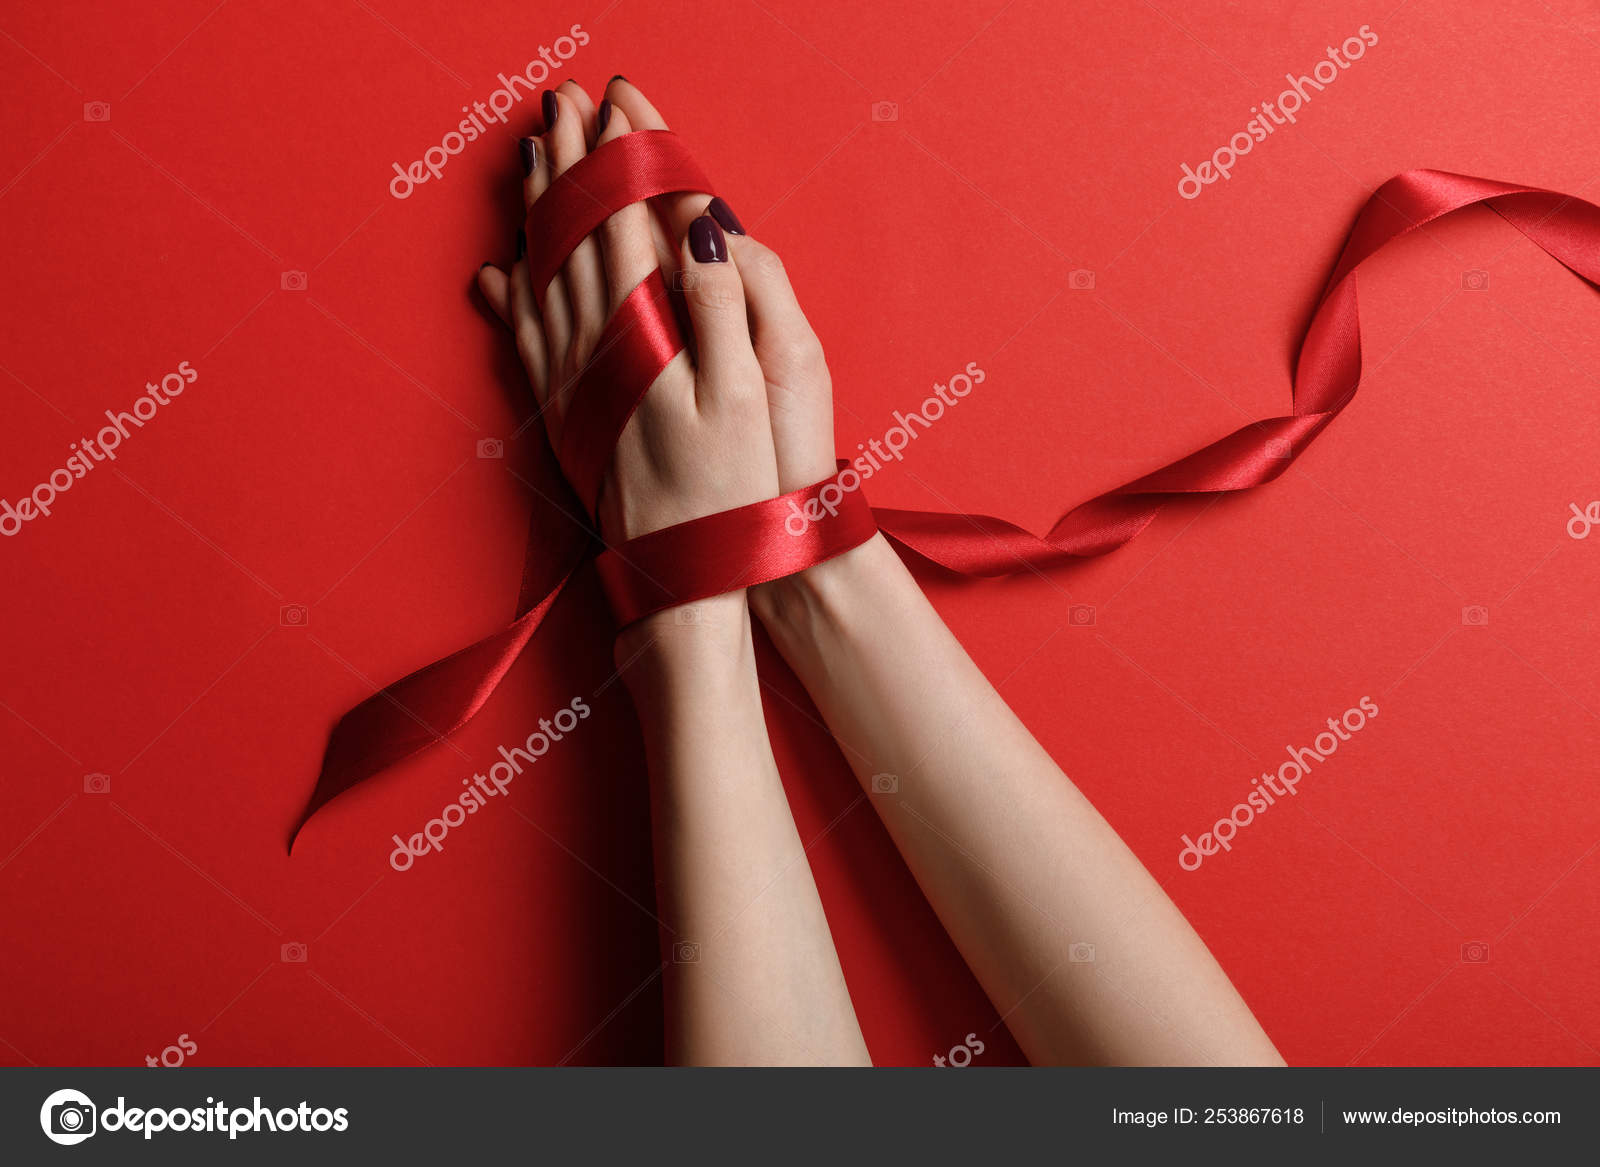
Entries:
{"x":750,"y":545}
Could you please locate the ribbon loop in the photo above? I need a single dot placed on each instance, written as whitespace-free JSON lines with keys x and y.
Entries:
{"x":731,"y":550}
{"x":639,"y":341}
{"x":617,"y":174}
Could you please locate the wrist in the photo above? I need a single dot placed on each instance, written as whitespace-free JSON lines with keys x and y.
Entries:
{"x":823,"y":593}
{"x":703,"y":642}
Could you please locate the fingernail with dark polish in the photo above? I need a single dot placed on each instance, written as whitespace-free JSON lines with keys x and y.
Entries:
{"x":602,"y":116}
{"x":483,"y":265}
{"x":522,"y":243}
{"x":530,"y":154}
{"x":706,"y":243}
{"x":549,"y":107}
{"x":617,"y":77}
{"x":723,"y":213}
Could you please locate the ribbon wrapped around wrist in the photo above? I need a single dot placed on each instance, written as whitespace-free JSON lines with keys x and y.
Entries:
{"x":752,"y":544}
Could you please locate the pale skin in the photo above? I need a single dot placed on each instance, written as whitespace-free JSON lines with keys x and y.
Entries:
{"x":1017,"y":864}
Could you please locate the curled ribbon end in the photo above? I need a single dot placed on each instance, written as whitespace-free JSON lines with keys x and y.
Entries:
{"x":319,"y":799}
{"x":763,"y":541}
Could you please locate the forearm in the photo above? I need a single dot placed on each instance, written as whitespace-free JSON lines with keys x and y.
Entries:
{"x":1016,"y":861}
{"x":752,"y":976}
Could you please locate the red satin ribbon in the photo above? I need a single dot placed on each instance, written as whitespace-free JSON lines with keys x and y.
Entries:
{"x":750,"y":544}
{"x":1326,"y":378}
{"x":638,"y":342}
{"x":623,"y":171}
{"x":725,"y":552}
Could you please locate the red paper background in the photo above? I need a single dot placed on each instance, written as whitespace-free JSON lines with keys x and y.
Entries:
{"x":326,"y":457}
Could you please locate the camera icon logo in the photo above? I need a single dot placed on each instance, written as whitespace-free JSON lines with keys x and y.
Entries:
{"x":294,"y":281}
{"x":1474,"y":281}
{"x":97,"y":783}
{"x":1279,"y":449}
{"x":886,"y":784}
{"x":688,"y":614}
{"x":685,"y":952}
{"x":1474,"y":952}
{"x":97,"y":111}
{"x":293,"y":953}
{"x":1081,"y":615}
{"x":293,"y":616}
{"x":1081,"y":280}
{"x":885,"y":111}
{"x":1081,"y":953}
{"x":67,"y":1117}
{"x":1475,"y":616}
{"x":491,"y":448}
{"x":685,"y":281}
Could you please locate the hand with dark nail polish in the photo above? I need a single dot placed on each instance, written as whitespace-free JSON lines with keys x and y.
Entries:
{"x":529,"y":150}
{"x":706,"y":243}
{"x":738,"y":411}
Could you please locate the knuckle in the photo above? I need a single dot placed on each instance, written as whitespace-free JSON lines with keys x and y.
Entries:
{"x":799,"y":348}
{"x":769,"y":262}
{"x":715,"y":294}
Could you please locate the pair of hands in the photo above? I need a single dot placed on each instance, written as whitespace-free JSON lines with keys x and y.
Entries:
{"x":749,"y":415}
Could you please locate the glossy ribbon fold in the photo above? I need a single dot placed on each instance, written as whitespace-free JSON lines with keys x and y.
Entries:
{"x":639,"y":341}
{"x":751,"y":544}
{"x":726,"y":552}
{"x":1327,"y":375}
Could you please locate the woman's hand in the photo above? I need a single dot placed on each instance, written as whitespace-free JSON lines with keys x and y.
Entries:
{"x":733,"y":884}
{"x":700,"y":442}
{"x":799,"y":390}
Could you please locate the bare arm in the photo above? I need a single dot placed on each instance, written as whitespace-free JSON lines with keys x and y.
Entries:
{"x":1017,"y":863}
{"x":751,"y":972}
{"x":752,"y":976}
